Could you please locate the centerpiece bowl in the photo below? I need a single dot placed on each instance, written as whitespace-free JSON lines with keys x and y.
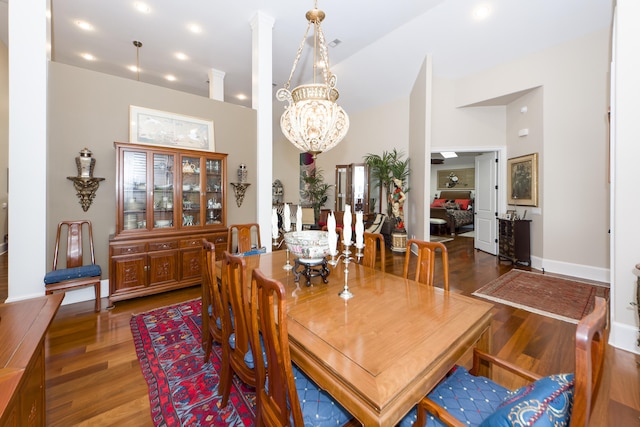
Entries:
{"x":309,"y":246}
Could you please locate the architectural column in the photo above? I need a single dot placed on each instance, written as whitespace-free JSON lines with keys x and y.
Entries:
{"x":262,"y":99}
{"x":28,"y":58}
{"x":216,"y":84}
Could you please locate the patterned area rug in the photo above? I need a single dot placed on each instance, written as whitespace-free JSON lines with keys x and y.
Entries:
{"x":183,"y":390}
{"x":562,"y":299}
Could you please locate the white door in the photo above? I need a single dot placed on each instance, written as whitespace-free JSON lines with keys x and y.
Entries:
{"x":485,"y":203}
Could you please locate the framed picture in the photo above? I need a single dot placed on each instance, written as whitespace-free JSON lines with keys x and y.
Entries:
{"x":511,"y":215}
{"x":522,"y":180}
{"x":147,"y":126}
{"x":464,"y":179}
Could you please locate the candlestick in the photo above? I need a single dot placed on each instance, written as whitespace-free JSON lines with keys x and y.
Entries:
{"x":287,"y":218}
{"x":346,"y":231}
{"x":274,"y":223}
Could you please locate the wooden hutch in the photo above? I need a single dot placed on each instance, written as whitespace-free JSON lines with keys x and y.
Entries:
{"x":167,"y":201}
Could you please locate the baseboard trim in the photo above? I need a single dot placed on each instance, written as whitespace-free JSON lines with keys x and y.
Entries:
{"x":574,"y":270}
{"x":624,"y":337}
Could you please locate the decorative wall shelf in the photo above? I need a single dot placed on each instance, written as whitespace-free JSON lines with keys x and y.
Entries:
{"x":86,"y":189}
{"x":239,"y":189}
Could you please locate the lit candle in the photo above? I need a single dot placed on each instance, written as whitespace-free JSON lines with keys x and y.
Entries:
{"x":333,"y":238}
{"x":359,"y":229}
{"x":299,"y":218}
{"x":287,"y":218}
{"x":346,"y":229}
{"x":274,"y":224}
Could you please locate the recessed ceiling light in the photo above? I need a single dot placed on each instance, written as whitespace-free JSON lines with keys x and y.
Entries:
{"x":194,"y":28}
{"x":481,"y":12}
{"x":88,"y":56}
{"x":142,"y":7}
{"x":448,"y":154}
{"x":133,"y":68}
{"x":170,"y":77}
{"x":241,"y":96}
{"x":84,"y":25}
{"x":181,"y":56}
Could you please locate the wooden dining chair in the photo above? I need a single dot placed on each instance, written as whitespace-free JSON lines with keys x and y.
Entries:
{"x":76,"y":272}
{"x":283,"y":392}
{"x":211,"y":300}
{"x":426,"y":262}
{"x":243,"y":238}
{"x":563,"y":399}
{"x":236,"y":353}
{"x":373,"y":243}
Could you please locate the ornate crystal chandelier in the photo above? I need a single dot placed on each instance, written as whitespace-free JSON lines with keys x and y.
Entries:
{"x":313,"y":121}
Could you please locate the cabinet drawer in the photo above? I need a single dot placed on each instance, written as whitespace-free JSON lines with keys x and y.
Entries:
{"x":217,"y":239}
{"x":191,"y":243}
{"x":163,"y":246}
{"x":129,"y":249}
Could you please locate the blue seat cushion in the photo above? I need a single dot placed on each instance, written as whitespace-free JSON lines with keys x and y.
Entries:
{"x":248,"y":357}
{"x":468,"y":398}
{"x":318,"y":407}
{"x":543,"y":403}
{"x":61,"y":275}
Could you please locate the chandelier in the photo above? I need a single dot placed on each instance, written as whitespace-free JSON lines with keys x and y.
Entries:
{"x":312,"y":121}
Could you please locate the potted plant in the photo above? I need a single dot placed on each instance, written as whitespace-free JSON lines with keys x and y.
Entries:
{"x":316,"y":191}
{"x":384,"y":169}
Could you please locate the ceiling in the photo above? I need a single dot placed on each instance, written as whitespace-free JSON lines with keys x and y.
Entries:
{"x":382,"y":43}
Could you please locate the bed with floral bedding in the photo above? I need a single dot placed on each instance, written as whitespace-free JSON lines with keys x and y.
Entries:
{"x":455,"y":207}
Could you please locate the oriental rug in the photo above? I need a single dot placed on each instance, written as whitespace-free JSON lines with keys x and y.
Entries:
{"x":563,"y":299}
{"x":183,"y":390}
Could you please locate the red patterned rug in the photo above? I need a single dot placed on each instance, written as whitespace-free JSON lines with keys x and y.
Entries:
{"x":563,"y":299}
{"x":183,"y":390}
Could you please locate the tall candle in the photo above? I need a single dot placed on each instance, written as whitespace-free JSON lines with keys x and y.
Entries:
{"x":274,"y":224}
{"x":287,"y":218}
{"x":346,"y":220}
{"x":359,"y":229}
{"x":299,"y":218}
{"x":333,"y":238}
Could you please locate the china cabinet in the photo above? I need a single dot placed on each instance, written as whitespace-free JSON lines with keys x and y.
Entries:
{"x":352,"y":187}
{"x":167,"y":201}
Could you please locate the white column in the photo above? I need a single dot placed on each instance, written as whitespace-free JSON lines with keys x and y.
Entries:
{"x":28,"y":56}
{"x":261,"y":95}
{"x":216,"y":84}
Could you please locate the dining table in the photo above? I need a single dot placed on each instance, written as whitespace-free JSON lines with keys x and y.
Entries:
{"x":381,"y":351}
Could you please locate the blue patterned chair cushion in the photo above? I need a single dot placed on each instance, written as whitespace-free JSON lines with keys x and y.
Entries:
{"x":61,"y":275}
{"x":468,"y":398}
{"x":544,"y":403}
{"x":318,"y":407}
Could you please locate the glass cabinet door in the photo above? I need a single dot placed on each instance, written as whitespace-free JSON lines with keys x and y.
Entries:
{"x":341,"y":187}
{"x":191,"y":192}
{"x":134,"y":187}
{"x":163,"y":191}
{"x":213,"y":195}
{"x":360,"y":188}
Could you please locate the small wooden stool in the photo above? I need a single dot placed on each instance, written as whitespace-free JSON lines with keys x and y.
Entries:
{"x":438,"y":226}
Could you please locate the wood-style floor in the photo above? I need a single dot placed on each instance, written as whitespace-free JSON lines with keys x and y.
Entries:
{"x":93,"y":376}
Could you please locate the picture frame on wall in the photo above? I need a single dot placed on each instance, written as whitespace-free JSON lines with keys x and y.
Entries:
{"x":522,"y":180}
{"x":155,"y":127}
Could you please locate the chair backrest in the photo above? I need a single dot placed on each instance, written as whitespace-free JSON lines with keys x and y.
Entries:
{"x":426,"y":262}
{"x":269,"y":322}
{"x":211,"y":297}
{"x":308,"y":216}
{"x":373,"y":241}
{"x":591,"y":342}
{"x":74,"y":256}
{"x":233,"y":295}
{"x":243,"y":238}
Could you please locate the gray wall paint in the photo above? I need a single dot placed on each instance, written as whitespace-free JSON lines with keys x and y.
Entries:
{"x":89,"y":109}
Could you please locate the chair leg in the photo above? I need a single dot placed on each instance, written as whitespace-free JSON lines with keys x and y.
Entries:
{"x":226,"y":375}
{"x":97,"y":290}
{"x":208,"y":343}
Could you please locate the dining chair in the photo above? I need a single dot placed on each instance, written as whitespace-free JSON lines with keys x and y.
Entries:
{"x":426,"y":262}
{"x":373,"y":242}
{"x":243,"y":238}
{"x":75,"y":273}
{"x":236,"y":353}
{"x":211,"y":300}
{"x":464,"y":399}
{"x":284,"y":394}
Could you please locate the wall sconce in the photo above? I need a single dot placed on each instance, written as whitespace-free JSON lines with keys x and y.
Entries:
{"x":239,"y":188}
{"x":85,"y":184}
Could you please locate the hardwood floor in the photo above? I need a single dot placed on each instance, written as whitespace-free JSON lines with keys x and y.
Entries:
{"x":93,"y":376}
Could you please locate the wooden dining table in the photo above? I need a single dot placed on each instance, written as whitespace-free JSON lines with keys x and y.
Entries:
{"x":379,"y":352}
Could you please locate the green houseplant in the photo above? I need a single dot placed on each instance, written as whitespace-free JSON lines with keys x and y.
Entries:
{"x":384,"y":169}
{"x":316,"y":191}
